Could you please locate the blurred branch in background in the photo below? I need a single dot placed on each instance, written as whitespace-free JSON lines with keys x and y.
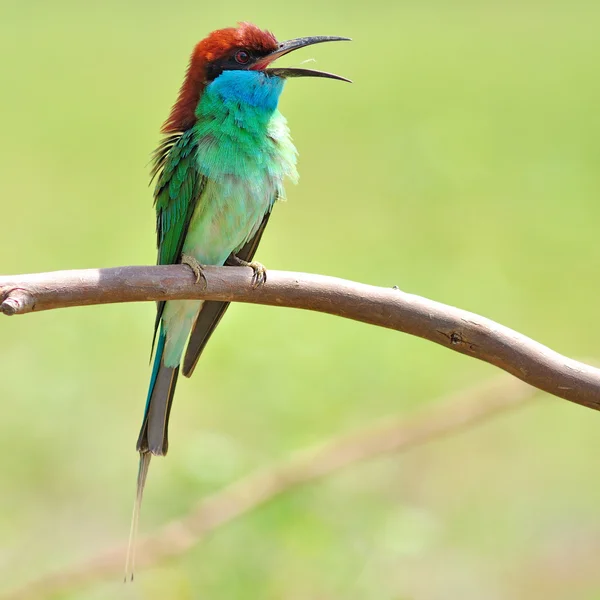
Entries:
{"x":451,"y":327}
{"x":391,"y":435}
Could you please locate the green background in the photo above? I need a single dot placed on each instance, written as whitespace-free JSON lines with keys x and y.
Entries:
{"x":461,"y":165}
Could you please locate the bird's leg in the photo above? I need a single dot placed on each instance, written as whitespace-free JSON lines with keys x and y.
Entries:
{"x":260,"y":273}
{"x":196,"y":267}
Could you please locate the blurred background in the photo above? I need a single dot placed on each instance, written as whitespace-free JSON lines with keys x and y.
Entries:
{"x":461,"y":165}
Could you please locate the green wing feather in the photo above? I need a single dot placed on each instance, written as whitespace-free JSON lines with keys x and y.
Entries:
{"x":178,"y":189}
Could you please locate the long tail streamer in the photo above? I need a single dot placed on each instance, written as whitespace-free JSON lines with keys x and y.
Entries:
{"x":141,"y":482}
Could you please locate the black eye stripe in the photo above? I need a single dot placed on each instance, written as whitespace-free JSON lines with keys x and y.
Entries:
{"x":240,"y":58}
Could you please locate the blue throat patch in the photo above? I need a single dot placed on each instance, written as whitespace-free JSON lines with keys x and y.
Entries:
{"x":239,"y":130}
{"x":253,"y":88}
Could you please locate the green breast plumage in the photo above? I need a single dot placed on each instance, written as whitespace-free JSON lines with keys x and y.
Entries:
{"x":245,"y":152}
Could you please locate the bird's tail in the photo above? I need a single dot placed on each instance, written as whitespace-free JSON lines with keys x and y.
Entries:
{"x":135,"y":519}
{"x":153,"y":438}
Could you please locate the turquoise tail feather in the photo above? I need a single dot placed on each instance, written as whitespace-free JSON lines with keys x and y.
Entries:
{"x":153,"y":436}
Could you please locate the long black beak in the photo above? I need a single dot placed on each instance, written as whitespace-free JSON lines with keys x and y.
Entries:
{"x":291,"y":45}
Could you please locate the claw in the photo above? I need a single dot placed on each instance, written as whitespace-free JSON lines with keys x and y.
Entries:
{"x":260,"y":272}
{"x":196,"y":267}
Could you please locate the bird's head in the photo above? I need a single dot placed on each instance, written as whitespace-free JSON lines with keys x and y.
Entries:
{"x":245,"y":47}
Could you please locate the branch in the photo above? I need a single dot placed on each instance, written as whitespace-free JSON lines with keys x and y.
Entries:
{"x":388,"y":436}
{"x":451,"y":327}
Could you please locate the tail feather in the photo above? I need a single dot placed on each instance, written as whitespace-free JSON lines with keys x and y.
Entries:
{"x":135,"y":519}
{"x":207,"y":320}
{"x":154,"y":436}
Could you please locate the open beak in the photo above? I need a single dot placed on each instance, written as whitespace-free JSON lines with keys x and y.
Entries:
{"x":291,"y":45}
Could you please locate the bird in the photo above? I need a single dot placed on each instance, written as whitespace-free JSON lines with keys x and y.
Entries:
{"x":218,"y":170}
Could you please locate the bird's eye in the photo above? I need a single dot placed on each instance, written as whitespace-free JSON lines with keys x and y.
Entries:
{"x":242,"y":57}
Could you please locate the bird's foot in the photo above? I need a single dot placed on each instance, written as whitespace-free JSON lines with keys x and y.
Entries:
{"x":196,"y":267}
{"x":260,"y":272}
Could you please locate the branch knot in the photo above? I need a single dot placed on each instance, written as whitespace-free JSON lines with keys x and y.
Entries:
{"x":16,"y":301}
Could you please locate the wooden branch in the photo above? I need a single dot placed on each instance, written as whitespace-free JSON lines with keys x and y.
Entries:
{"x":392,"y":435}
{"x":451,"y":327}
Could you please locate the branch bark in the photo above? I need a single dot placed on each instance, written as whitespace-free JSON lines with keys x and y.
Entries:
{"x":392,"y":435}
{"x":451,"y":327}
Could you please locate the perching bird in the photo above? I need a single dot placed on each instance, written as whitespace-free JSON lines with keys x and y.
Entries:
{"x":219,"y":169}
